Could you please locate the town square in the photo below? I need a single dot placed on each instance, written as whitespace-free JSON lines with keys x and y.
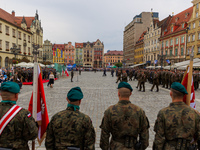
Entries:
{"x":85,"y":75}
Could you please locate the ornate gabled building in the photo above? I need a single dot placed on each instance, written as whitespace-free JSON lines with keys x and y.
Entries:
{"x":193,"y":36}
{"x":47,"y":51}
{"x":93,"y":54}
{"x":79,"y":54}
{"x":22,"y":32}
{"x":151,"y":40}
{"x":173,"y":38}
{"x":69,"y":53}
{"x":139,"y":49}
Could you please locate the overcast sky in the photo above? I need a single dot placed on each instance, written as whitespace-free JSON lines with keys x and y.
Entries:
{"x":89,"y":20}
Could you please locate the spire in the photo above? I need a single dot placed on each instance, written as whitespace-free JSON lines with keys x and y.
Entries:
{"x":36,"y":15}
{"x":23,"y":20}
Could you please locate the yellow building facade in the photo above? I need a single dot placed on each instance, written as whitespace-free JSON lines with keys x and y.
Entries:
{"x":21,"y":32}
{"x":193,"y":35}
{"x":112,"y":57}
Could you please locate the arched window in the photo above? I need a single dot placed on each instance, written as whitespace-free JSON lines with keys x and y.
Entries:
{"x":0,"y":61}
{"x":6,"y":62}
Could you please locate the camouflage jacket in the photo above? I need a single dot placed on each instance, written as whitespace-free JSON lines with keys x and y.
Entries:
{"x":19,"y":130}
{"x":124,"y":77}
{"x":175,"y":121}
{"x":70,"y":128}
{"x":123,"y":119}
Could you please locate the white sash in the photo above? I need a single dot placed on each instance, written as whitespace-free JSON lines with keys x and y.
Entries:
{"x":9,"y":116}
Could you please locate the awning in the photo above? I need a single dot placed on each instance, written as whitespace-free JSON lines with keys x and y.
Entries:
{"x":137,"y":65}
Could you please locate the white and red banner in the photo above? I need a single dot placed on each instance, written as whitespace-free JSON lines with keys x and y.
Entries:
{"x":42,"y":114}
{"x":184,"y":83}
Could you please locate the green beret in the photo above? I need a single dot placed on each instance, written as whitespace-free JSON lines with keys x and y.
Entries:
{"x":75,"y":94}
{"x":179,"y":87}
{"x":125,"y":85}
{"x":10,"y":87}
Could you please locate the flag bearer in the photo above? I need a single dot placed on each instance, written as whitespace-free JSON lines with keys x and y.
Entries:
{"x":17,"y":126}
{"x":177,"y":124}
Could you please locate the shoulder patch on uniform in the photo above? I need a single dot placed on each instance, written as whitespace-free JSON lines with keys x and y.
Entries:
{"x":29,"y":115}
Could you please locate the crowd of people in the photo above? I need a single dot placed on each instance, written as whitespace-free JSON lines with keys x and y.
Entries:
{"x":20,"y":75}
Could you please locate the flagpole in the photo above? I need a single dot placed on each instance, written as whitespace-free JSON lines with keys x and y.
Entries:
{"x":190,"y":77}
{"x":35,"y":85}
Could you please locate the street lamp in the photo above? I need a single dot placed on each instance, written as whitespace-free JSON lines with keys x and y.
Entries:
{"x":35,"y":51}
{"x":15,"y":50}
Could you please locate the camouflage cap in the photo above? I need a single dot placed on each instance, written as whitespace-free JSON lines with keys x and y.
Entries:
{"x":75,"y":94}
{"x":10,"y":87}
{"x":124,"y":85}
{"x":179,"y":87}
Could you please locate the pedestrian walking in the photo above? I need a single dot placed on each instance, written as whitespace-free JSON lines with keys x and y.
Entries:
{"x":17,"y":126}
{"x":70,"y":129}
{"x":51,"y":79}
{"x":155,"y":82}
{"x":126,"y":123}
{"x":177,"y":124}
{"x":104,"y":72}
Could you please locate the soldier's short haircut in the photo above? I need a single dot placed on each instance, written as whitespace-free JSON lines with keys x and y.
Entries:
{"x":177,"y":94}
{"x":7,"y":95}
{"x":124,"y":92}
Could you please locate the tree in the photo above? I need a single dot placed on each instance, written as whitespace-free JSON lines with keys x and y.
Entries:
{"x":119,"y":64}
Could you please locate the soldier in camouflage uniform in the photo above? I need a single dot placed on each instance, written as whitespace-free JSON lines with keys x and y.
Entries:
{"x":155,"y":81}
{"x":139,"y":75}
{"x":125,"y":122}
{"x":177,"y":124}
{"x":130,"y":75}
{"x":124,"y":76}
{"x":118,"y":76}
{"x":142,"y":81}
{"x":70,"y":128}
{"x":22,"y":127}
{"x":196,"y":79}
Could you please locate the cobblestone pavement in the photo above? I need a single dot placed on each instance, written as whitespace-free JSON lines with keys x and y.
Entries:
{"x":99,"y":93}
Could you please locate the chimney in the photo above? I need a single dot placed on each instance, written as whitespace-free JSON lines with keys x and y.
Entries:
{"x":13,"y":13}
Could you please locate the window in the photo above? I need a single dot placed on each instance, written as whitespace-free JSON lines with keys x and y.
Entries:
{"x":13,"y":32}
{"x":197,"y":15}
{"x":0,"y":28}
{"x":7,"y":45}
{"x":182,"y":39}
{"x":176,"y":40}
{"x":29,"y":50}
{"x":20,"y":35}
{"x":199,"y":36}
{"x":176,"y":52}
{"x":166,"y":43}
{"x":183,"y":25}
{"x":198,"y":50}
{"x":20,"y":47}
{"x":193,"y":25}
{"x":188,"y":38}
{"x":193,"y":37}
{"x":171,"y":52}
{"x":197,"y":6}
{"x":189,"y":26}
{"x":188,"y":51}
{"x":7,"y":30}
{"x":24,"y":49}
{"x":171,"y":42}
{"x":0,"y":44}
{"x":29,"y":38}
{"x":166,"y":53}
{"x":182,"y":51}
{"x":172,"y":29}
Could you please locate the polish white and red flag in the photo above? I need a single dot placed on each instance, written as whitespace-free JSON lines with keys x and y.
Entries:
{"x":42,"y":114}
{"x":184,"y":83}
{"x":66,"y":72}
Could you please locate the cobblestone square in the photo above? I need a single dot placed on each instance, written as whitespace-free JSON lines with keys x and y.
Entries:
{"x":99,"y":93}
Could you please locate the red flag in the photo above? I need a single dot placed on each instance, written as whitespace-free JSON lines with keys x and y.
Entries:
{"x":184,"y":83}
{"x":42,"y":114}
{"x":66,"y":72}
{"x":62,"y":72}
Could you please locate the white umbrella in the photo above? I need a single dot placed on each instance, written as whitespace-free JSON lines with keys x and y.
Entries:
{"x":22,"y":64}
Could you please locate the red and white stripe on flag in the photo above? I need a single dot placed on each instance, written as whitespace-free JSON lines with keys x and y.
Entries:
{"x":66,"y":72}
{"x":192,"y":99}
{"x":42,"y":114}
